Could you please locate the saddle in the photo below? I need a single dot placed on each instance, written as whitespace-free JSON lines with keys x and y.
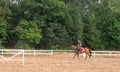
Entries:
{"x":80,"y":49}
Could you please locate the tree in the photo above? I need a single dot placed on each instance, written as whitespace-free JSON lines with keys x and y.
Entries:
{"x":28,"y":32}
{"x":106,"y":24}
{"x":4,"y":9}
{"x":5,"y":12}
{"x":50,"y":16}
{"x":53,"y":22}
{"x":56,"y":24}
{"x":92,"y":34}
{"x":75,"y":27}
{"x":3,"y":29}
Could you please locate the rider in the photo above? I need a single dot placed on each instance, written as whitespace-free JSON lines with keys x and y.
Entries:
{"x":79,"y":45}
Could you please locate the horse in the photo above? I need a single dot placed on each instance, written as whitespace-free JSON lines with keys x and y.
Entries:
{"x":85,"y":50}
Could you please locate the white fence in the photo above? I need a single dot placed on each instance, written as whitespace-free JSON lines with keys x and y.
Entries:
{"x":16,"y":52}
{"x":26,"y":52}
{"x":13,"y":53}
{"x":38,"y":52}
{"x":106,"y":53}
{"x":97,"y":53}
{"x":51,"y":52}
{"x":10,"y":54}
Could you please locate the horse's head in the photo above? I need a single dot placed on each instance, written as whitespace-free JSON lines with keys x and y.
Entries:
{"x":74,"y":47}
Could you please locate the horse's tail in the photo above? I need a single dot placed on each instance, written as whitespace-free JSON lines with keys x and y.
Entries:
{"x":90,"y":53}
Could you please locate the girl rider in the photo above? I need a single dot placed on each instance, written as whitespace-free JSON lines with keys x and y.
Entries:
{"x":79,"y":45}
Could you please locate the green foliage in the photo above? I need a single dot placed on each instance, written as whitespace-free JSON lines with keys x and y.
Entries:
{"x":28,"y":31}
{"x":22,"y":45}
{"x":52,"y":20}
{"x":3,"y":29}
{"x":1,"y":46}
{"x":105,"y":22}
{"x":75,"y":25}
{"x":4,"y":15}
{"x":56,"y":24}
{"x":4,"y":8}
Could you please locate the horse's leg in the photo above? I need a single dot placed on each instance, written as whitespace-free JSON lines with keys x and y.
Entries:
{"x":78,"y":55}
{"x":89,"y":55}
{"x":74,"y":55}
{"x":86,"y":56}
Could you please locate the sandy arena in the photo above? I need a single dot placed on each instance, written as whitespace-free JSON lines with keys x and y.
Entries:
{"x":62,"y":62}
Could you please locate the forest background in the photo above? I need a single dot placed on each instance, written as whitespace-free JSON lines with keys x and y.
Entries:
{"x":57,"y":24}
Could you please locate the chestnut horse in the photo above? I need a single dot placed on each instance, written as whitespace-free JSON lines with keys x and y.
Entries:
{"x":85,"y":50}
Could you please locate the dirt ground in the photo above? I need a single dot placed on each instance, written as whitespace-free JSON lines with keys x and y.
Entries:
{"x":62,"y":62}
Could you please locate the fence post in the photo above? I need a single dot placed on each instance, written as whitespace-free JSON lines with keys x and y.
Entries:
{"x":110,"y":54}
{"x":2,"y":52}
{"x":34,"y":52}
{"x":94,"y":53}
{"x":52,"y":52}
{"x":23,"y":57}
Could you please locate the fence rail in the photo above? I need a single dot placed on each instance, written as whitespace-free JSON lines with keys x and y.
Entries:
{"x":26,"y":52}
{"x":106,"y":53}
{"x":14,"y":54}
{"x":51,"y":52}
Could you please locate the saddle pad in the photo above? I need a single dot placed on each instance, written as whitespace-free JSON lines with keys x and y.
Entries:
{"x":81,"y":49}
